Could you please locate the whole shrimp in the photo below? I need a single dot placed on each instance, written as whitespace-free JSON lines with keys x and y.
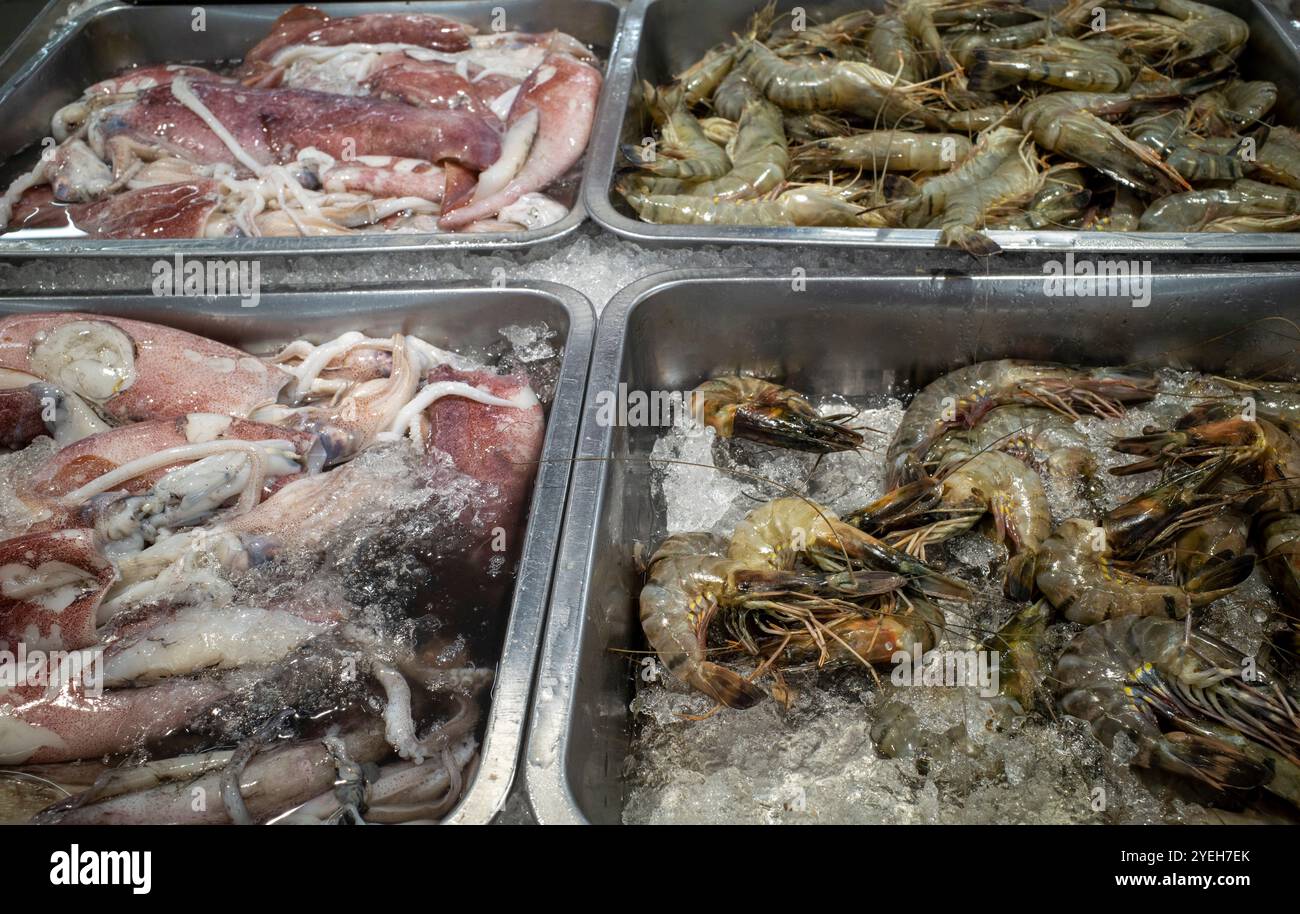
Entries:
{"x":1076,"y":572}
{"x":1200,"y":37}
{"x":796,"y":206}
{"x":701,"y":79}
{"x":1068,"y":123}
{"x":688,"y":581}
{"x":841,"y":38}
{"x":1187,"y":701}
{"x":1196,"y":159}
{"x":1065,"y":64}
{"x":684,"y":151}
{"x":848,"y":86}
{"x":776,"y":534}
{"x":961,"y":398}
{"x":1064,"y":21}
{"x":758,"y":410}
{"x":1042,"y":438}
{"x":759,"y":161}
{"x":991,"y":149}
{"x":1246,"y":206}
{"x":1255,"y":448}
{"x":695,"y":576}
{"x":1234,"y":108}
{"x":1015,"y":183}
{"x":990,"y":484}
{"x":884,"y":150}
{"x":852,"y":639}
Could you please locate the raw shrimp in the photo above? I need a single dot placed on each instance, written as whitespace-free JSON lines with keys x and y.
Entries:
{"x":1255,"y":447}
{"x":848,"y":86}
{"x":990,"y":484}
{"x":1068,"y":123}
{"x":961,"y":398}
{"x":1065,"y":64}
{"x":684,"y":151}
{"x":1206,"y":546}
{"x":1077,"y":574}
{"x":884,"y":150}
{"x":1014,"y":184}
{"x":797,"y":206}
{"x":1063,"y":200}
{"x":852,"y":639}
{"x":893,"y":51}
{"x":1246,"y":206}
{"x":1019,"y":644}
{"x":758,"y":410}
{"x":694,"y":576}
{"x":774,"y":535}
{"x":991,"y":149}
{"x":1046,"y":440}
{"x":1187,"y":703}
{"x":1278,"y":160}
{"x":759,"y":162}
{"x":1196,"y":159}
{"x":1278,"y":536}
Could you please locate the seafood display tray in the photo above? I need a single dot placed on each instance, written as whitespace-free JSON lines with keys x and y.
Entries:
{"x":852,"y":336}
{"x":453,"y":317}
{"x":108,"y":38}
{"x":662,"y":37}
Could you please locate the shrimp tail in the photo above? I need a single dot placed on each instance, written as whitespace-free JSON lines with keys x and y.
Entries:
{"x":988,"y":71}
{"x":637,"y":156}
{"x":899,"y":505}
{"x":970,"y":240}
{"x":1219,"y":578}
{"x":1021,"y":573}
{"x":860,"y":546}
{"x":1211,"y":761}
{"x":726,"y":686}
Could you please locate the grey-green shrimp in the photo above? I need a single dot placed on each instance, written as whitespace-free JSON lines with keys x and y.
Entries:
{"x":848,"y":86}
{"x":684,"y":151}
{"x":877,"y":151}
{"x":1245,"y":206}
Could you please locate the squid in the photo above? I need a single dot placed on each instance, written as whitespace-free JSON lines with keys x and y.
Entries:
{"x":205,"y":467}
{"x":378,"y":122}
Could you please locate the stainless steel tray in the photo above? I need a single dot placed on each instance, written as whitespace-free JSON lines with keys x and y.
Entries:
{"x":453,"y":316}
{"x":856,"y":336}
{"x":663,"y":37}
{"x":108,"y":38}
